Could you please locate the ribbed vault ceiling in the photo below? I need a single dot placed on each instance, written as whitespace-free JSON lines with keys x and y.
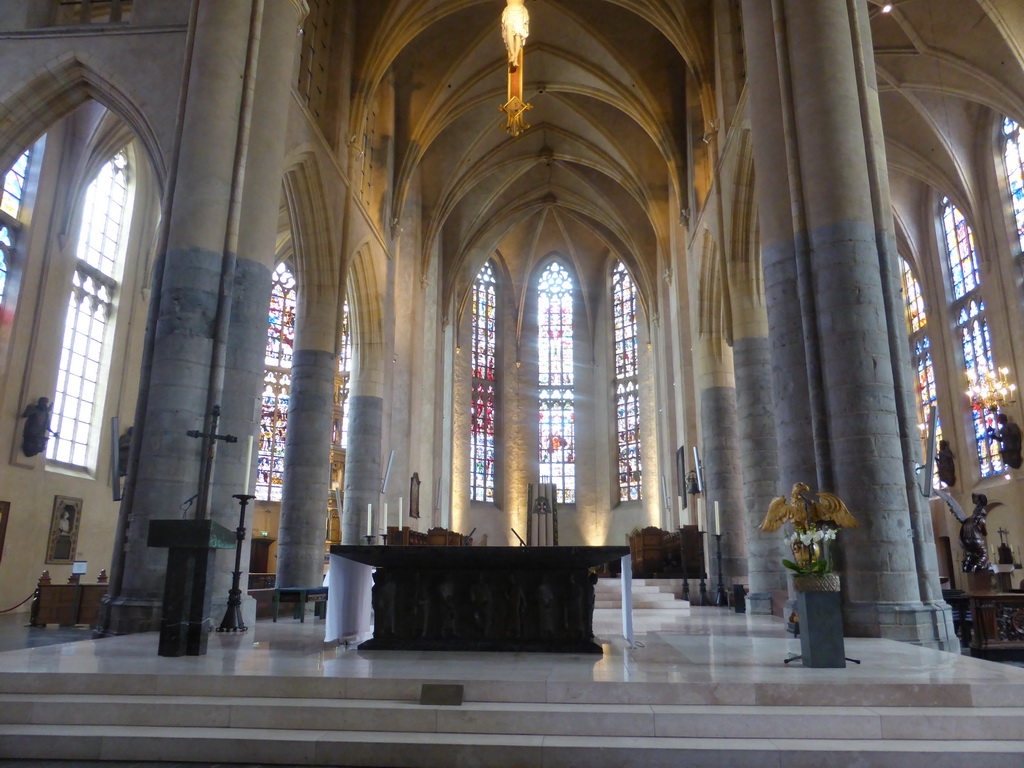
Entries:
{"x":597,"y":174}
{"x":604,"y":156}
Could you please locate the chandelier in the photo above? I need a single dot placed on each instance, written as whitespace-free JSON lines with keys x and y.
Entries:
{"x":991,"y":390}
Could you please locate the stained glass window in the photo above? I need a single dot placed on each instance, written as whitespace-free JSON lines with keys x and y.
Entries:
{"x":14,"y":186}
{"x":970,"y":319}
{"x":281,"y":334}
{"x":482,"y":408}
{"x":1013,"y":156}
{"x":963,"y":263}
{"x":339,"y":430}
{"x":78,"y":398}
{"x":10,"y":209}
{"x":916,"y":317}
{"x":276,"y":386}
{"x":555,"y":366}
{"x":627,"y":399}
{"x":917,"y":320}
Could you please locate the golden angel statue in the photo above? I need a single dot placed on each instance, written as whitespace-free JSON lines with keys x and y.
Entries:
{"x":515,"y":28}
{"x":805,"y":512}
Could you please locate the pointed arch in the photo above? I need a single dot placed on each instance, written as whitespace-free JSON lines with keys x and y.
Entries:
{"x":56,"y":90}
{"x":748,"y":276}
{"x":714,"y":313}
{"x":317,"y":268}
{"x":365,"y":310}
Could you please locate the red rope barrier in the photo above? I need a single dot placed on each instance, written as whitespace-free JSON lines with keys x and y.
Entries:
{"x":19,"y":604}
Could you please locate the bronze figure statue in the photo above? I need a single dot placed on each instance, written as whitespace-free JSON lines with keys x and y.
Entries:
{"x":972,"y":530}
{"x":804,"y":511}
{"x":946,"y":464}
{"x":1007,"y":433}
{"x":37,"y":427}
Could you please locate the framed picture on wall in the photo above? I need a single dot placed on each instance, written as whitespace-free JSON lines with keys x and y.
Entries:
{"x":67,"y":513}
{"x":5,"y":510}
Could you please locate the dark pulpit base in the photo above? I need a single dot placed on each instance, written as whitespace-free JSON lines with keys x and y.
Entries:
{"x":526,"y":599}
{"x":186,"y":623}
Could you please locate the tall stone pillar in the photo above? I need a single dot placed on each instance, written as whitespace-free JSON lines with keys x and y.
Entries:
{"x":205,"y":301}
{"x":789,"y":360}
{"x":722,"y":476}
{"x":758,"y":451}
{"x":804,"y":55}
{"x":308,"y":444}
{"x":363,"y":471}
{"x":257,"y":238}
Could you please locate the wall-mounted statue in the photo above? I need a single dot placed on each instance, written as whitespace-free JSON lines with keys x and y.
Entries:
{"x":946,"y":464}
{"x":1008,"y":434}
{"x":37,"y":427}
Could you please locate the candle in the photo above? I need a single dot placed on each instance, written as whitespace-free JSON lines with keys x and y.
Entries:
{"x":700,"y":515}
{"x":399,"y":513}
{"x":369,"y":520}
{"x":684,"y":513}
{"x":386,"y":521}
{"x":248,"y":466}
{"x":718,"y":519}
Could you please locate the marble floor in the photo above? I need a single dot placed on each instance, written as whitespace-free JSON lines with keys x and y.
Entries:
{"x":681,"y":663}
{"x":695,"y":645}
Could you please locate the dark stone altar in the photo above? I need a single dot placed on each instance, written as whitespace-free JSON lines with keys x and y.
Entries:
{"x":538,"y":599}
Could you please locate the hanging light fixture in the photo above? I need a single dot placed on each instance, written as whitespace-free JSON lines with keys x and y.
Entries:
{"x":991,"y":391}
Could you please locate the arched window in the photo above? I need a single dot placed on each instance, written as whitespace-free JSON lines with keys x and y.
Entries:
{"x":920,"y":347}
{"x":483,"y":412}
{"x":277,"y":385}
{"x":10,"y":210}
{"x":1013,"y":156}
{"x":339,"y":429}
{"x":627,"y":397}
{"x":969,"y":310}
{"x":79,"y":392}
{"x":555,"y":381}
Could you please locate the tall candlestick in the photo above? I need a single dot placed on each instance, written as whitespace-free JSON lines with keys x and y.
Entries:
{"x":248,"y":466}
{"x":718,"y":519}
{"x":369,"y":520}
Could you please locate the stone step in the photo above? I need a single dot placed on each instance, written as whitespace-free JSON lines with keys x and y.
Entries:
{"x":275,"y":714}
{"x":433,"y":750}
{"x":738,"y":691}
{"x":672,"y":604}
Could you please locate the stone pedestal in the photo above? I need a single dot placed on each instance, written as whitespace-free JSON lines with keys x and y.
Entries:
{"x":821,"y":624}
{"x":186,"y":623}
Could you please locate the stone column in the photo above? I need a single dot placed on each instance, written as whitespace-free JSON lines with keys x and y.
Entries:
{"x":758,"y":453}
{"x":720,"y":456}
{"x":253,"y":277}
{"x":840,"y":299}
{"x":363,"y":471}
{"x":186,"y":296}
{"x":308,"y":444}
{"x":214,"y":194}
{"x":796,"y":460}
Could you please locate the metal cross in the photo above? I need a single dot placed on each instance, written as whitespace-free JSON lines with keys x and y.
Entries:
{"x":210,"y":438}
